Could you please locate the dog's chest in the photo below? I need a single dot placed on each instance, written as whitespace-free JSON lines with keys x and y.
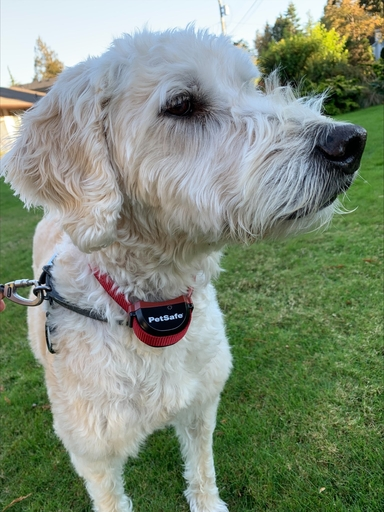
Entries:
{"x":142,"y":385}
{"x":163,"y":384}
{"x":108,"y":371}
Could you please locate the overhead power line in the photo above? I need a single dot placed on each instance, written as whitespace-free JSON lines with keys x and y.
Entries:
{"x":255,"y":4}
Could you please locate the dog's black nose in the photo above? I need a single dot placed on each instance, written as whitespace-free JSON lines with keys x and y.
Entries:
{"x":343,"y":147}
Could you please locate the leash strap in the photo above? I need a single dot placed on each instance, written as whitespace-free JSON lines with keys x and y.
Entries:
{"x":157,"y":324}
{"x":52,"y":295}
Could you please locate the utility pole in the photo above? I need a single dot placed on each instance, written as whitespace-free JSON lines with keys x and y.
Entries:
{"x":224,"y":11}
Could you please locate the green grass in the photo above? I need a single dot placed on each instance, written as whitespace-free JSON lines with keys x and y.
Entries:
{"x":300,"y":423}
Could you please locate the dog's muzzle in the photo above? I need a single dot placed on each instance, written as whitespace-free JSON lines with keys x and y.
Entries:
{"x":337,"y":153}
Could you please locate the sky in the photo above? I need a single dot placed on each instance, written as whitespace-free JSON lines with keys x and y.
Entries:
{"x":76,"y":29}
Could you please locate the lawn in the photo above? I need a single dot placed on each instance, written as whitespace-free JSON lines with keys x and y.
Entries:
{"x":300,"y":424}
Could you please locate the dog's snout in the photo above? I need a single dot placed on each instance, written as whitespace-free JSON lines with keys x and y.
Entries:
{"x":343,"y":147}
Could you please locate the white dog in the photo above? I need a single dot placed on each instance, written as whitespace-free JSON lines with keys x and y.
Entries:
{"x":150,"y":159}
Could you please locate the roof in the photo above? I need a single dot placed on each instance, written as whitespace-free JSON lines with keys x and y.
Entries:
{"x":17,"y":98}
{"x":39,"y":85}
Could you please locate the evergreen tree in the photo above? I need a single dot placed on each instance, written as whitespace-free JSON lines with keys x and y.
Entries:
{"x":285,"y":26}
{"x":262,"y":41}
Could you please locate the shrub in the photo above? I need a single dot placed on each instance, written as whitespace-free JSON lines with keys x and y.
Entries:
{"x":344,"y":94}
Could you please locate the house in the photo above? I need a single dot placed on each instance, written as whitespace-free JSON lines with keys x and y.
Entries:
{"x":16,"y":100}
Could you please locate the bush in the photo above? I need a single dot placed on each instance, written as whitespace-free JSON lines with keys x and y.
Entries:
{"x":344,"y":94}
{"x":375,"y":91}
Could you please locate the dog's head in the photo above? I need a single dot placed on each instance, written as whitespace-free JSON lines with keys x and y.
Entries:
{"x":167,"y":134}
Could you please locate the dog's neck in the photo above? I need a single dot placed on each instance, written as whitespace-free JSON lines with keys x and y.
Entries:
{"x":152,"y":264}
{"x":156,"y":273}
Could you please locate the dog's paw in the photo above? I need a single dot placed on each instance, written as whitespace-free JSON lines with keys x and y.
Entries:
{"x":124,"y":504}
{"x":206,"y":503}
{"x":220,"y":506}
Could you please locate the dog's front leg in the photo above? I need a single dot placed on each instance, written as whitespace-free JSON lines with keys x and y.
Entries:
{"x":104,"y":483}
{"x":194,"y":429}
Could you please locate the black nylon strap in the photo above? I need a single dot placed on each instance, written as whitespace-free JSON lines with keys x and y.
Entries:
{"x":53,"y":296}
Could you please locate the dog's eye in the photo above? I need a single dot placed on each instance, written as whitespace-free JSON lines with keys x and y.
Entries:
{"x":180,"y":107}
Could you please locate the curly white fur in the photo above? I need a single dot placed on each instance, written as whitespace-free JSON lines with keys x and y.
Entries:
{"x":151,"y":198}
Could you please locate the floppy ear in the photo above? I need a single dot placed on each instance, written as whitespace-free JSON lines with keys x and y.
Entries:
{"x":60,"y":159}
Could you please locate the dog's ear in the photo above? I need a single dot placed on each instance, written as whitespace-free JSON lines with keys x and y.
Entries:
{"x":60,"y":159}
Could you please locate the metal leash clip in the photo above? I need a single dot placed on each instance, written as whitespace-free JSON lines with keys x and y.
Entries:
{"x":9,"y":291}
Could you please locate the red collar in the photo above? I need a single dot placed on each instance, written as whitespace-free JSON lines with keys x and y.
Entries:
{"x":158,"y":324}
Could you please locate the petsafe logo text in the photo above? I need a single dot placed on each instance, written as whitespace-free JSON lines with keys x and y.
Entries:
{"x":165,"y":318}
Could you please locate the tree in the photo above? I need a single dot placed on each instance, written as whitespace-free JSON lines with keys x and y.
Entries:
{"x":242,"y":44}
{"x":333,"y":56}
{"x":373,"y":6}
{"x":263,"y":40}
{"x":47,"y":64}
{"x":355,"y":22}
{"x":285,"y":26}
